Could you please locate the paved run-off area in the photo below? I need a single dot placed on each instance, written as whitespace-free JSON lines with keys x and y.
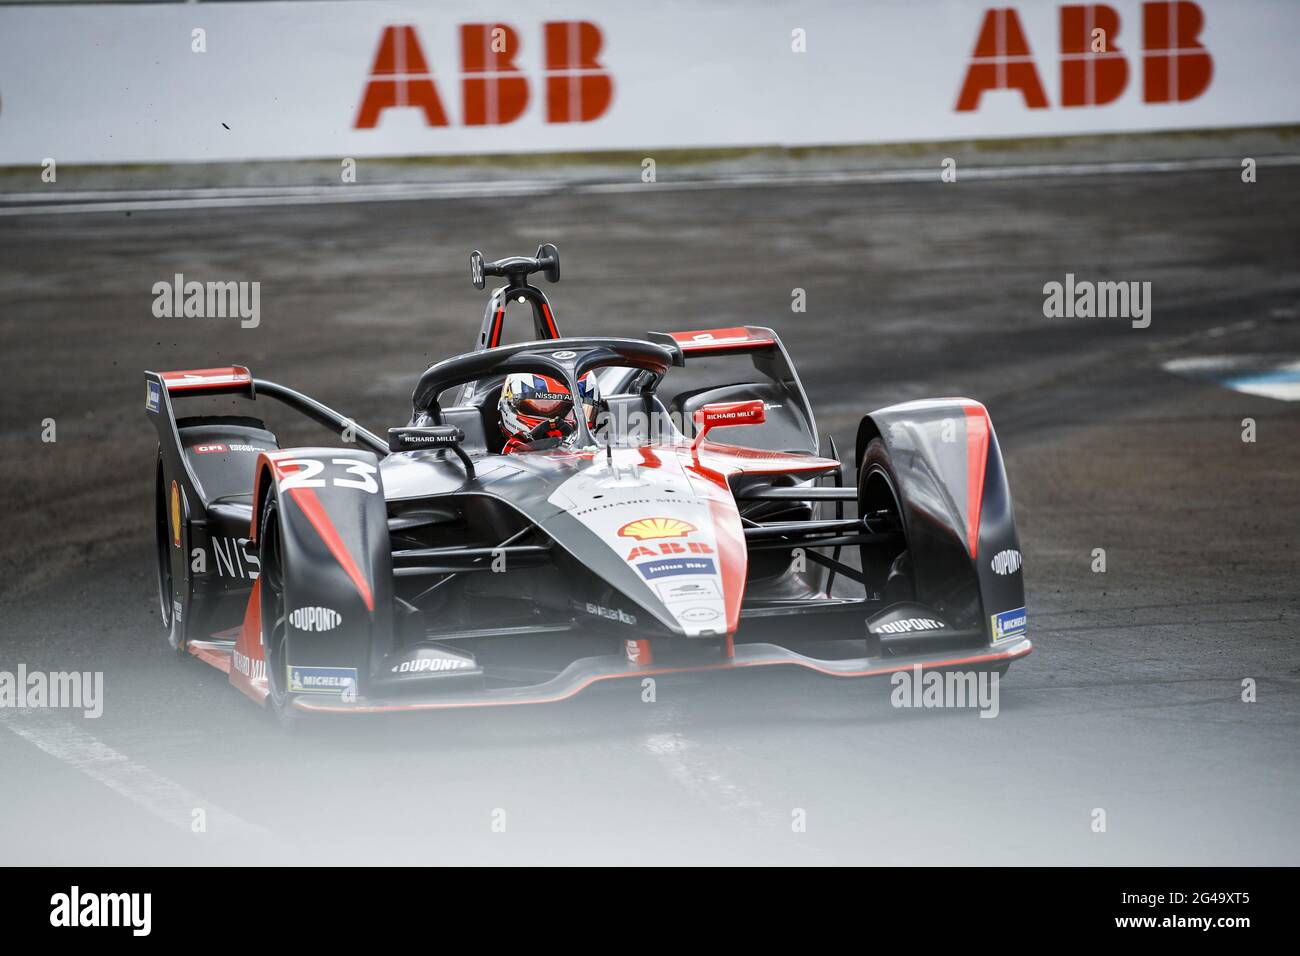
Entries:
{"x":1132,"y":702}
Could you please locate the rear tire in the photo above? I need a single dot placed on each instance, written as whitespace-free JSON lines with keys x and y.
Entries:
{"x":163,"y":547}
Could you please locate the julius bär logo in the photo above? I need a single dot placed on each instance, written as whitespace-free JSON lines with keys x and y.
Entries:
{"x":494,"y":91}
{"x":1094,"y":69}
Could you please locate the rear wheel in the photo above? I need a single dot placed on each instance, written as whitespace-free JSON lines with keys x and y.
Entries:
{"x":163,"y":548}
{"x":886,"y":565}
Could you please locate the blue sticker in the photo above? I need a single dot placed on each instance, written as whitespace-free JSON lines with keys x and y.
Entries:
{"x":1009,"y":624}
{"x":671,"y":567}
{"x":322,"y":680}
{"x":152,"y":396}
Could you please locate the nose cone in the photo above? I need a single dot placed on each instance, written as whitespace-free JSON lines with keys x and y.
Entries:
{"x":678,"y":559}
{"x":669,"y":535}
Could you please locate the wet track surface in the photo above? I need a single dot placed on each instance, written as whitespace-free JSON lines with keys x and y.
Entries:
{"x":1131,"y":702}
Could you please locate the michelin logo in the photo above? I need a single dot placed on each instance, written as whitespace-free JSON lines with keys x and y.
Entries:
{"x":152,"y":396}
{"x":322,"y":680}
{"x":1009,"y":624}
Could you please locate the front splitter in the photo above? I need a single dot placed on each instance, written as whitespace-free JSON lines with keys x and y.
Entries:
{"x":582,"y":673}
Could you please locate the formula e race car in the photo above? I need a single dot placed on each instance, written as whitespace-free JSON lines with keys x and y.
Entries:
{"x":691,"y":524}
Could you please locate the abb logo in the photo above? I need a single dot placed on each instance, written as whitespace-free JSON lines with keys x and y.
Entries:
{"x":493,"y":89}
{"x":668,"y":547}
{"x":1094,"y":70}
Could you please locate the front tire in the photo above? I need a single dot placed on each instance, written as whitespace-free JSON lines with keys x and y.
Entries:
{"x":887,"y":565}
{"x":273,"y":613}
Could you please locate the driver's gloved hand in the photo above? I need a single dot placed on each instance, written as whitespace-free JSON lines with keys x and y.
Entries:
{"x":551,"y":428}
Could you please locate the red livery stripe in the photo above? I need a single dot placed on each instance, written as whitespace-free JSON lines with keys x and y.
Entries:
{"x":306,"y":500}
{"x":977,"y":456}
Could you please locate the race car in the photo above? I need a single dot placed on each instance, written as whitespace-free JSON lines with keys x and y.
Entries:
{"x":680,"y":517}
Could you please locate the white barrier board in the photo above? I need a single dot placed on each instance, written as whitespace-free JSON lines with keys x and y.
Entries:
{"x":279,"y":80}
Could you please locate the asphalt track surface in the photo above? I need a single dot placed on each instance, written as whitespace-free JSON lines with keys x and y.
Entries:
{"x":1131,"y":703}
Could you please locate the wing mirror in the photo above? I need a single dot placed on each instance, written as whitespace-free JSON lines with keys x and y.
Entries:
{"x":417,"y":437}
{"x":723,"y":414}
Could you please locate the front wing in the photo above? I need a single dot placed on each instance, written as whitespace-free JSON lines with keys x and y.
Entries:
{"x":587,"y":671}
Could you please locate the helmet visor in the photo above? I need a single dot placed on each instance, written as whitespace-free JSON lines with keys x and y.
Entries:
{"x":545,"y":404}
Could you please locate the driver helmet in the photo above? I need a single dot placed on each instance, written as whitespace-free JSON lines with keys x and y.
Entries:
{"x":528,"y":399}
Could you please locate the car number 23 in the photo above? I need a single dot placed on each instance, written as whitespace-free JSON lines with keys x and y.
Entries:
{"x":304,"y":472}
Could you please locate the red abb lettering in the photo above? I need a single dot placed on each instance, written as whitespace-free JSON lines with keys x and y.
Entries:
{"x":494,"y":91}
{"x":578,"y":89}
{"x":669,"y":547}
{"x":1091,"y":76}
{"x":1175,"y":66}
{"x":1001,"y":61}
{"x":400,"y":76}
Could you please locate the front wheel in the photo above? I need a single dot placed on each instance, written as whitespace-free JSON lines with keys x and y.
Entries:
{"x":886,"y":565}
{"x":272,"y":611}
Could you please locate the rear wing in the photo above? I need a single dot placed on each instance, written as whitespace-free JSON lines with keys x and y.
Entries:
{"x":159,"y":390}
{"x":212,"y":381}
{"x":764,"y":348}
{"x":163,"y":388}
{"x":748,"y":338}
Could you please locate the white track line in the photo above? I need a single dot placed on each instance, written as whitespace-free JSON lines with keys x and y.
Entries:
{"x":163,"y":798}
{"x":116,"y":201}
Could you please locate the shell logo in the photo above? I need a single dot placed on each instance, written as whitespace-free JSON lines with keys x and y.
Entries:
{"x":647,"y":529}
{"x":176,"y":515}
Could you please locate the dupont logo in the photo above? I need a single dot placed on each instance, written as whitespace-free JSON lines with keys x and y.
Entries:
{"x":574,"y":87}
{"x":1006,"y":562}
{"x":427,"y":664}
{"x":909,"y":625}
{"x":1095,"y":50}
{"x":315,"y":618}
